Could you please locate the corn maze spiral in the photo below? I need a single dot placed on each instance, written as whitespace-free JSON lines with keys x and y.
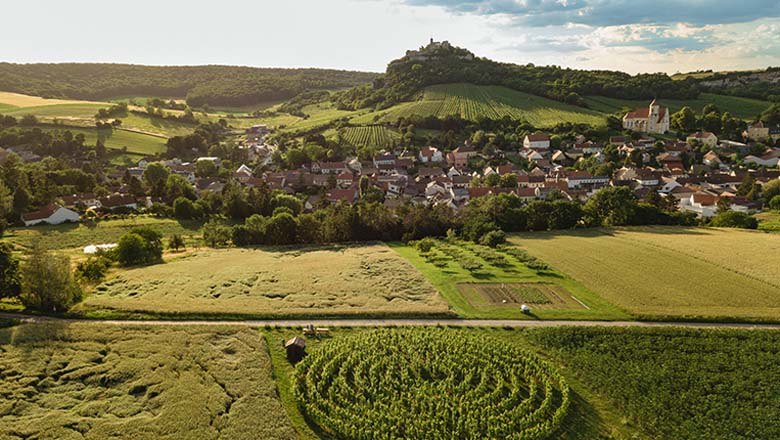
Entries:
{"x":429,"y":384}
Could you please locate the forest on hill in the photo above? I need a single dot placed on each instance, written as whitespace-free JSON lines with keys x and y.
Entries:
{"x":440,"y":63}
{"x":200,"y":85}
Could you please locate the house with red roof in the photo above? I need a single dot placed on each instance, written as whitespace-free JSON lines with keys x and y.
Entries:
{"x":51,"y":214}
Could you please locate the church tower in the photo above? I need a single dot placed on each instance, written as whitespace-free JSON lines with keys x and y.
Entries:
{"x":652,"y":117}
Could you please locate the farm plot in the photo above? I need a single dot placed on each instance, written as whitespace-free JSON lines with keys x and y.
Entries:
{"x":73,"y":381}
{"x":465,"y":273}
{"x":671,"y":272}
{"x":387,"y":381}
{"x":325,"y":281}
{"x":545,"y":296}
{"x":674,"y":383}
{"x":372,"y":136}
{"x":116,"y":139}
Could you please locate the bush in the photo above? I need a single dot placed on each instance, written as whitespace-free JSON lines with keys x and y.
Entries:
{"x":774,"y":203}
{"x":176,"y":242}
{"x":734,"y":219}
{"x":493,"y":238}
{"x":47,"y":282}
{"x":93,"y":268}
{"x":425,"y":245}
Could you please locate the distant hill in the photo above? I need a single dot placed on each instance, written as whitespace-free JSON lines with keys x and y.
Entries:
{"x":442,"y":63}
{"x":212,"y":85}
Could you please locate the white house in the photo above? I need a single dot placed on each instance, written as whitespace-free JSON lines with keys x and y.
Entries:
{"x":51,"y":214}
{"x":537,"y":141}
{"x":651,"y":119}
{"x":770,"y":159}
{"x":704,"y":137}
{"x":703,"y":204}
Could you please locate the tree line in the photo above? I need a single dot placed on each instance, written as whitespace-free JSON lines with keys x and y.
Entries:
{"x":201,"y":85}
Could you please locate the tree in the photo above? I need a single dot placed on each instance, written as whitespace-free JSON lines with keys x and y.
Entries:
{"x":156,"y":176}
{"x":509,"y":180}
{"x":184,"y":209}
{"x":216,"y":233}
{"x":492,"y":180}
{"x":177,"y":186}
{"x":10,"y":280}
{"x":611,"y":206}
{"x":770,"y":190}
{"x":774,"y":203}
{"x":176,"y":242}
{"x":772,"y":114}
{"x":281,"y":229}
{"x":47,"y":282}
{"x":493,"y":238}
{"x":684,"y":121}
{"x":139,"y":246}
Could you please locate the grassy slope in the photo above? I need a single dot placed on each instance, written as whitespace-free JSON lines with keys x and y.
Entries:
{"x":447,"y":279}
{"x":744,"y":108}
{"x":71,"y":238}
{"x":356,"y":281}
{"x":671,"y":273}
{"x":471,"y":101}
{"x":116,"y":139}
{"x":65,"y":380}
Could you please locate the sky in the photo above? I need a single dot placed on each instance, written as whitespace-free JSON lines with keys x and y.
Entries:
{"x":628,"y":35}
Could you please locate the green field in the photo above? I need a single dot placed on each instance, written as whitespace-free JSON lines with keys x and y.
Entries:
{"x":444,"y":267}
{"x":72,"y":381}
{"x":372,"y":136}
{"x":673,"y":383}
{"x":745,"y":108}
{"x":369,"y":280}
{"x":472,"y":101}
{"x":72,"y":238}
{"x":670,"y":272}
{"x":116,"y":139}
{"x":769,"y":221}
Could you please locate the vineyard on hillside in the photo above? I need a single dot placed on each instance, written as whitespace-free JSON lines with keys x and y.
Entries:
{"x":371,"y":136}
{"x":494,"y":102}
{"x":429,"y":384}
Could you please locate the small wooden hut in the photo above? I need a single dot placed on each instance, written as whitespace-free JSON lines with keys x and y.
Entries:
{"x":296,"y":349}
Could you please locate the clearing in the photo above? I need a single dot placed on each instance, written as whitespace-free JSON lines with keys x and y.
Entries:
{"x":72,"y":381}
{"x":546,"y":296}
{"x":72,"y":237}
{"x":670,"y":272}
{"x":328,"y":281}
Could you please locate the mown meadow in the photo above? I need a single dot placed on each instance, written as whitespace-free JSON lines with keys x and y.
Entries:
{"x":360,"y":280}
{"x":72,"y":381}
{"x":669,"y":272}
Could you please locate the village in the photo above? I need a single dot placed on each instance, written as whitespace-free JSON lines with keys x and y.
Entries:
{"x":654,"y":165}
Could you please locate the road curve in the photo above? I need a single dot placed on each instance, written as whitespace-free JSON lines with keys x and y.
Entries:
{"x":404,"y":322}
